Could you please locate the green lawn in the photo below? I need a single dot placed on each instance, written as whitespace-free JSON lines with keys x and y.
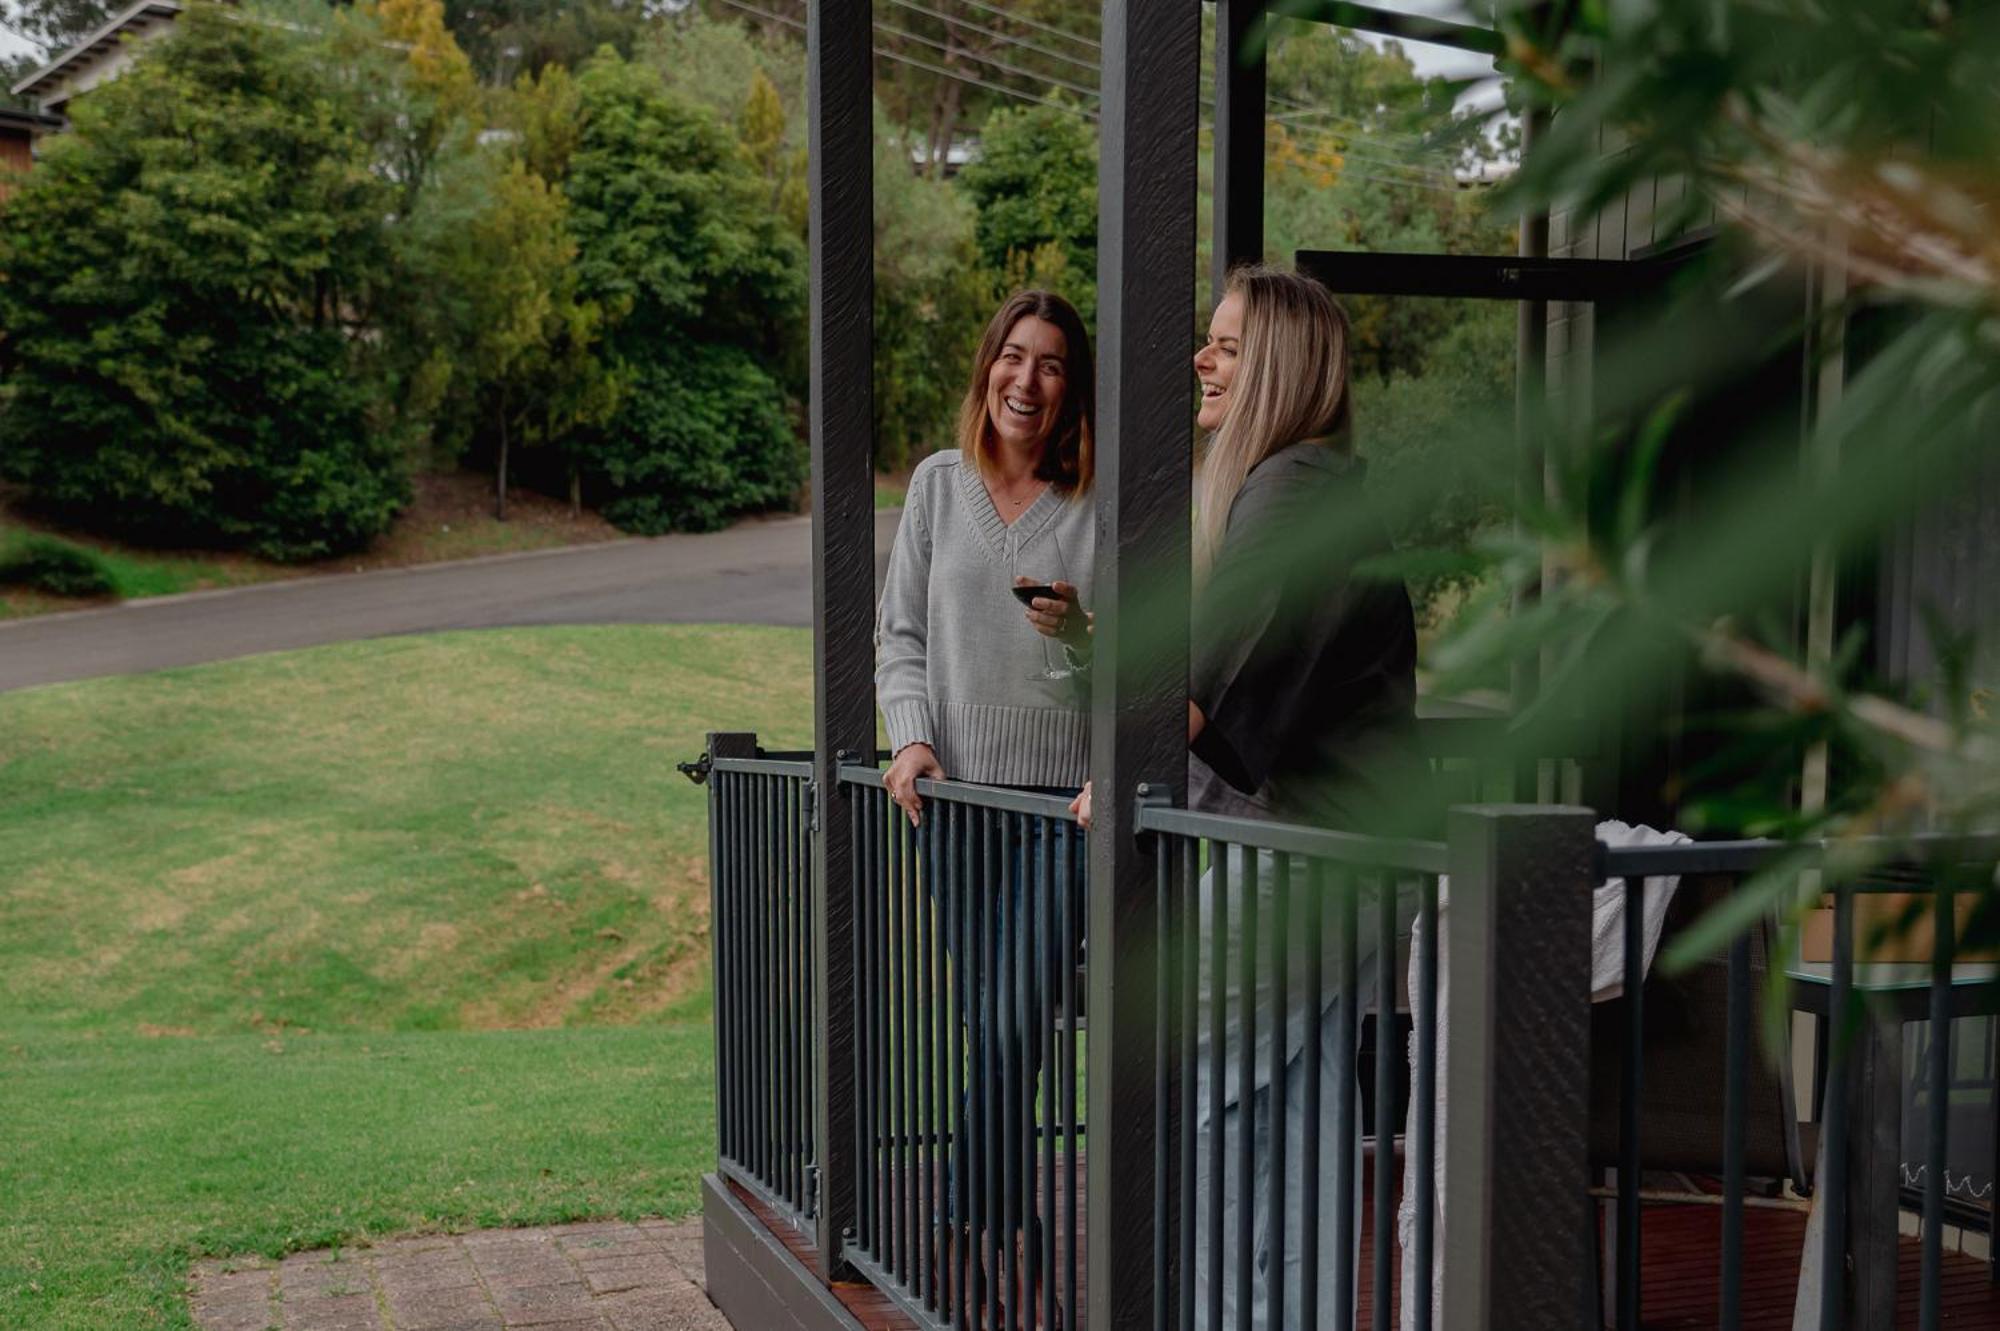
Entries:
{"x":325,"y":945}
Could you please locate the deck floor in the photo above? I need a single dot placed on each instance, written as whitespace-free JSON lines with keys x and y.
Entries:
{"x":1681,"y":1266}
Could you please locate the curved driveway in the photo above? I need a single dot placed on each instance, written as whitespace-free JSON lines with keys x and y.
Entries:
{"x":758,"y":572}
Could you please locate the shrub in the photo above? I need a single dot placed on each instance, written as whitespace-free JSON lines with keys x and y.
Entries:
{"x":57,"y":567}
{"x":704,"y":436}
{"x":186,"y":285}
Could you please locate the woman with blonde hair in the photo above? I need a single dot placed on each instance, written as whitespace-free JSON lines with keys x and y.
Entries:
{"x":1301,"y":708}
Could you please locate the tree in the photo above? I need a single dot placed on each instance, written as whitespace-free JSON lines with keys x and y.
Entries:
{"x":1034,"y":184}
{"x":931,"y":302}
{"x":189,"y":280}
{"x":56,"y":25}
{"x":509,"y":39}
{"x":677,"y":242}
{"x":930,"y":294}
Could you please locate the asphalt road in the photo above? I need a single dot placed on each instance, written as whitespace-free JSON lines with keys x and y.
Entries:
{"x":758,"y":572}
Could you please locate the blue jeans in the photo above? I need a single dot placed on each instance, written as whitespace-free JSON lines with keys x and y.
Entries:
{"x":1014,"y":946}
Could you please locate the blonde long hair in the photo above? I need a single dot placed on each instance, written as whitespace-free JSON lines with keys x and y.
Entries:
{"x":1069,"y":458}
{"x":1290,"y":386}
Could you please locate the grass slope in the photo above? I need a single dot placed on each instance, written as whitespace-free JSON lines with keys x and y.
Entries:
{"x":276,"y":936}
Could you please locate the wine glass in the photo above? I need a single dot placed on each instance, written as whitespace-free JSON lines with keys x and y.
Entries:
{"x":1043,"y":571}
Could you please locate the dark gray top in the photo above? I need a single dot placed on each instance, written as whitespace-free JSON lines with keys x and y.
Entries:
{"x":1303,"y":663}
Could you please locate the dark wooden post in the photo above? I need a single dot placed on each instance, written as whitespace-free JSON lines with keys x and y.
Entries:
{"x":1518,"y":1066}
{"x":839,"y":90}
{"x":1239,"y":136}
{"x":1146,"y":232}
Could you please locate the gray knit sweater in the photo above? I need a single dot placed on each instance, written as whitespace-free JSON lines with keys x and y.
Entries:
{"x":954,"y":655}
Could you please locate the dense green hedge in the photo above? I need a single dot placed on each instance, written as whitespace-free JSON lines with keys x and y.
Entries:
{"x":182,"y":278}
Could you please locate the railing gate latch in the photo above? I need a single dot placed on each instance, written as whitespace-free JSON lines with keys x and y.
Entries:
{"x":696,"y":771}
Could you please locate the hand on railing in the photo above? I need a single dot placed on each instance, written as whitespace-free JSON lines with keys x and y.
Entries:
{"x":1080,"y":806}
{"x":913,"y":762}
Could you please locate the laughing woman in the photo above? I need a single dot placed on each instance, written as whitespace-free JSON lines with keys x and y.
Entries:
{"x":1301,"y":709}
{"x":967,"y":689}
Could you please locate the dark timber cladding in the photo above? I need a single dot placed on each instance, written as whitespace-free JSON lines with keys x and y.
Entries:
{"x":839,"y":93}
{"x":1146,"y":241}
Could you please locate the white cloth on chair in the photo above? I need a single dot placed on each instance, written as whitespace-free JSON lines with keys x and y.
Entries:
{"x":1607,"y":981}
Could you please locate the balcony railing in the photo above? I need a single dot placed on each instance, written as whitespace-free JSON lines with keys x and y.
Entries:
{"x":1280,"y":1149}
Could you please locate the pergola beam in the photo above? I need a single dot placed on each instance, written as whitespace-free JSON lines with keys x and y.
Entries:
{"x":1394,"y":23}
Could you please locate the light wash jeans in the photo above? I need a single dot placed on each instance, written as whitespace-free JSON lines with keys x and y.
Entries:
{"x":1254,"y":1113}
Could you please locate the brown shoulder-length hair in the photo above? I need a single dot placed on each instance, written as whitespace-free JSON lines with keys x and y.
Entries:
{"x":1069,"y":458}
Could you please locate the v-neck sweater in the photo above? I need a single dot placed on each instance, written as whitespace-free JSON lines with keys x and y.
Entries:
{"x":955,"y":657}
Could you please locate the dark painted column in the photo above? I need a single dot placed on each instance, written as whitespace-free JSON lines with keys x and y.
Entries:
{"x":1146,"y":234}
{"x":1239,"y":136}
{"x":1517,"y":1066}
{"x":839,"y":88}
{"x":1531,"y":421}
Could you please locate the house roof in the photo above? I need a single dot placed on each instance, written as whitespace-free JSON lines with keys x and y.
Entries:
{"x":136,"y":18}
{"x":30,"y":121}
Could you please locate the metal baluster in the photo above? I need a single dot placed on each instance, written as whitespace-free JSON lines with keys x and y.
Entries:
{"x":1939,"y":1050}
{"x":913,"y":1074}
{"x":1424,"y":1010}
{"x":1386,"y":1027}
{"x":992,"y":1129}
{"x":730,"y":979}
{"x":1163,"y":1083}
{"x":857,"y":874}
{"x":1735,"y":1109}
{"x":897,"y":1259}
{"x":1218,"y":927}
{"x":1246,"y":1073}
{"x":1309,"y":1162}
{"x":1628,"y":1105}
{"x":927,"y":904}
{"x":1346,"y":1128}
{"x":962,"y":1016}
{"x":1281,"y":992}
{"x":808,"y":1063}
{"x":782,"y":980}
{"x":1833,"y":1249}
{"x":760,"y":830}
{"x":1066,"y":852}
{"x":880,"y":812}
{"x":1189,"y":1001}
{"x":1054,"y":962}
{"x":973,"y":1201}
{"x":1012,"y":941}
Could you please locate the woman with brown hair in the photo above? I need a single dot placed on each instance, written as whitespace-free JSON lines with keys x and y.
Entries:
{"x":968,"y":690}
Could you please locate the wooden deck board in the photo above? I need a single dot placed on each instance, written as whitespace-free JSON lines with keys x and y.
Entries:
{"x":1682,"y":1248}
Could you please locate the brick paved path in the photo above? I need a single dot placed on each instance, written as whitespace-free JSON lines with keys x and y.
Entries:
{"x":612,"y":1276}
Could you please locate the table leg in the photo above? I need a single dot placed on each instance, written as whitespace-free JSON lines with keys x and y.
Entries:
{"x":1875,"y":1158}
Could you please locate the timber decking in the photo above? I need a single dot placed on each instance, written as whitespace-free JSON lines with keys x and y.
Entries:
{"x":1682,"y":1265}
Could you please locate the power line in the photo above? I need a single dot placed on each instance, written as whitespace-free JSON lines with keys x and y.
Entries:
{"x":1031,"y":23}
{"x":1002,"y":65}
{"x":1434,"y":181}
{"x":925,"y":65}
{"x":1008,"y":38}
